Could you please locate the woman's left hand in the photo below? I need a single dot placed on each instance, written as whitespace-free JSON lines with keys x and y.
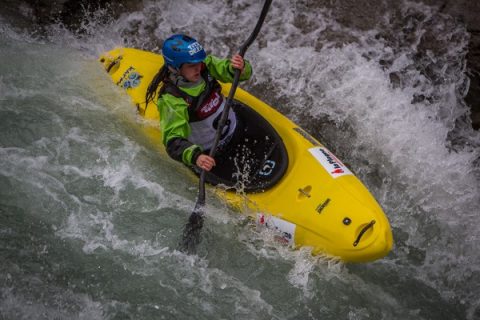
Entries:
{"x":237,"y":62}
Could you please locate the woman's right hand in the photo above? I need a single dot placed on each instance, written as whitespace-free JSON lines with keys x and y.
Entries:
{"x":205,"y":162}
{"x":237,"y":62}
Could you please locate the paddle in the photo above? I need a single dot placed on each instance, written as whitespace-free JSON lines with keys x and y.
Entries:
{"x":191,"y":232}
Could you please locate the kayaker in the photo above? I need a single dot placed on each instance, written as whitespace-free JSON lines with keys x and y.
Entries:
{"x":190,"y":102}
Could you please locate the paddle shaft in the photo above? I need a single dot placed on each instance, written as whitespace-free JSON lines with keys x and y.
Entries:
{"x":191,"y":232}
{"x":223,"y":119}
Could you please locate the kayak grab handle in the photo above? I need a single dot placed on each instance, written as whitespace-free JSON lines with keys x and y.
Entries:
{"x":112,"y":63}
{"x":362,"y":232}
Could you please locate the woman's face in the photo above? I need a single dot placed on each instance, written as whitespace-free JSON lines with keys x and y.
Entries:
{"x":191,"y":71}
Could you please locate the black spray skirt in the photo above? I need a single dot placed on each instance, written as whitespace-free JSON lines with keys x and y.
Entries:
{"x":254,"y":159}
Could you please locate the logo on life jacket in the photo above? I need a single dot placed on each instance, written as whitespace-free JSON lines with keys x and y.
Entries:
{"x":210,"y":105}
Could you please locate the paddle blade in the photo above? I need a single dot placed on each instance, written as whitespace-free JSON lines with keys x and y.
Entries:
{"x":192,"y":230}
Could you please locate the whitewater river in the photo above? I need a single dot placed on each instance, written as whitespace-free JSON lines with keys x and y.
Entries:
{"x":91,"y":209}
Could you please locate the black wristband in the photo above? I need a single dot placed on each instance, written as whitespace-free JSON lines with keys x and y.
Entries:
{"x":195,"y":155}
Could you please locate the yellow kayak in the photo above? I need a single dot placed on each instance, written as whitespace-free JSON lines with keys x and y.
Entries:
{"x":314,"y":200}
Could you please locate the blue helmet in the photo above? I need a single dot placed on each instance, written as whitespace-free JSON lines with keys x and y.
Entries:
{"x":180,"y":49}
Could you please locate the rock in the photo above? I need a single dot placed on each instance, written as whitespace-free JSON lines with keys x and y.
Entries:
{"x":468,"y":12}
{"x":72,"y":12}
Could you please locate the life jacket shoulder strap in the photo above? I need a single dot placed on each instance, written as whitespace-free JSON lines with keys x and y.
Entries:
{"x":193,"y":102}
{"x":172,"y":89}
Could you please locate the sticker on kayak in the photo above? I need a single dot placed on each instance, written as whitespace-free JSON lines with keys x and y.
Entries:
{"x":328,"y":160}
{"x":130,"y":79}
{"x":285,"y":228}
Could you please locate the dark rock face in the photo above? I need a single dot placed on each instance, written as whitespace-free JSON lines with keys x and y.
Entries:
{"x":469,"y":13}
{"x":473,"y":97}
{"x":71,"y":12}
{"x":362,"y":14}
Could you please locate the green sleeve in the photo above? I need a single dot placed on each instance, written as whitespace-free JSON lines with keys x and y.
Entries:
{"x":173,"y":117}
{"x":222,"y":70}
{"x":174,"y":124}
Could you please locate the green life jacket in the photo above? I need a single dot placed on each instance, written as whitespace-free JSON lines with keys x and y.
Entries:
{"x":204,"y":111}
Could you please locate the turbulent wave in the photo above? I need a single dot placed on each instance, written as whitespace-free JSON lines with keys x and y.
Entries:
{"x":90,"y":219}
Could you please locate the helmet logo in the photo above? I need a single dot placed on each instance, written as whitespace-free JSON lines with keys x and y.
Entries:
{"x":194,"y":48}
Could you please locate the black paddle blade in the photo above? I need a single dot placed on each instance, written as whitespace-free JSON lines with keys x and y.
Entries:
{"x":192,"y":230}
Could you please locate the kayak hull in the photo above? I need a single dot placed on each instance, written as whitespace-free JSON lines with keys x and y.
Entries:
{"x":318,"y":203}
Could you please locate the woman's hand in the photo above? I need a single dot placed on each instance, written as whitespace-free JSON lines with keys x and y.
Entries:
{"x":237,"y":62}
{"x":205,"y":162}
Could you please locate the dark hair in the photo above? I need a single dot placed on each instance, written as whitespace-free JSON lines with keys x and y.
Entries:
{"x":153,"y":86}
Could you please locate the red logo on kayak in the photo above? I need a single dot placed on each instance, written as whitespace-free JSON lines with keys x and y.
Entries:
{"x":336,"y":164}
{"x":262,"y":219}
